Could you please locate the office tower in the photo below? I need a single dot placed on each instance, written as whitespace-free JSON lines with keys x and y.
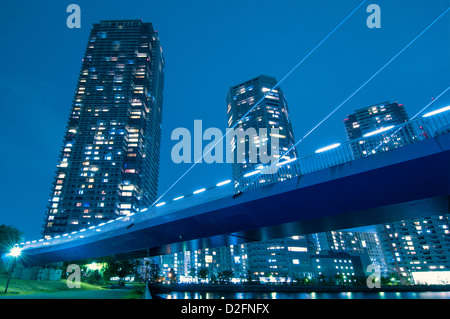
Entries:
{"x":362,"y":125}
{"x":271,"y":113}
{"x":416,"y":247}
{"x":109,"y":160}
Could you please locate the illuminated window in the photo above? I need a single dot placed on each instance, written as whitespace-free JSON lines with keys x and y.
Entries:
{"x":298,"y":249}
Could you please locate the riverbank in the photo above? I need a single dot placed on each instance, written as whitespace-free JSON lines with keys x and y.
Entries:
{"x":267,"y":288}
{"x":58,"y":289}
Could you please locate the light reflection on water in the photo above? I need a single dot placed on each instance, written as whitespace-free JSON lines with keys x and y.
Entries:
{"x":309,"y":295}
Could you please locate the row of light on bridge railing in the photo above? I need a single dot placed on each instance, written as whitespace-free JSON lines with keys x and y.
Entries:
{"x":263,"y":168}
{"x":336,"y":145}
{"x":198,"y":191}
{"x":382,"y":129}
{"x":257,"y":171}
{"x":320,"y":150}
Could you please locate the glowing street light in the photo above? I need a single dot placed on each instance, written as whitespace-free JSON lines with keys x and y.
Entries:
{"x":14,"y":252}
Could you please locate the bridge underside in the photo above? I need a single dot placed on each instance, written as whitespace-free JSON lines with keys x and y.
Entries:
{"x":409,"y":182}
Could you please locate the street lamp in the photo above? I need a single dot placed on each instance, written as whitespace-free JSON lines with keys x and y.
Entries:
{"x":14,"y":252}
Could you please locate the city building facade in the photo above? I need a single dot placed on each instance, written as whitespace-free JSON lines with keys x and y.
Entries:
{"x":109,"y":162}
{"x":363,"y":244}
{"x":280,"y":260}
{"x":271,"y":113}
{"x":412,"y":248}
{"x":338,"y":267}
{"x":417,"y":247}
{"x":360,"y":125}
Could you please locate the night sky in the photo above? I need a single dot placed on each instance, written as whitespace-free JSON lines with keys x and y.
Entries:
{"x":208,"y":46}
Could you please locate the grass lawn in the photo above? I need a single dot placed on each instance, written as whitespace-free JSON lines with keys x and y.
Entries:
{"x":136,"y":293}
{"x":20,"y":286}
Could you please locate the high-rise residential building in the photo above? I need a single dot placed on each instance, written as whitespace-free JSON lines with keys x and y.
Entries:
{"x":338,"y":267}
{"x":363,"y":244}
{"x":109,"y":160}
{"x":416,"y":247}
{"x":226,"y":258}
{"x":283,"y":259}
{"x":360,"y":125}
{"x":187,"y":265}
{"x":271,"y":113}
{"x":410,"y":247}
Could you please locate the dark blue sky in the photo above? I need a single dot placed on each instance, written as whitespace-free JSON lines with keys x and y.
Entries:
{"x":209,"y":46}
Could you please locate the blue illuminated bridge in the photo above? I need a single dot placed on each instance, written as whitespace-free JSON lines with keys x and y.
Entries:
{"x":380,"y":178}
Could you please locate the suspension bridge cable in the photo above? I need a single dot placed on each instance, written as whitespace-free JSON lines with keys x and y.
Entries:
{"x":434,"y":100}
{"x":273,"y":88}
{"x":351,"y":95}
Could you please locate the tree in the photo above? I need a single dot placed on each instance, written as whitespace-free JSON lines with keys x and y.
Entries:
{"x":121,"y":269}
{"x":192,"y":272}
{"x":391,"y":279}
{"x":359,"y":280}
{"x":322,"y":278}
{"x":155,"y":272}
{"x":302,"y":280}
{"x":172,"y":276}
{"x":94,"y":277}
{"x":249,"y":276}
{"x":339,"y":279}
{"x":9,"y":236}
{"x":203,"y":273}
{"x":225,"y":276}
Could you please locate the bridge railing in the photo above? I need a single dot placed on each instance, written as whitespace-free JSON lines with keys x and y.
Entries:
{"x":382,"y":140}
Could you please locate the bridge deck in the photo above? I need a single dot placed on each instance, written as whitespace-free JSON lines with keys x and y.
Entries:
{"x":407,"y":182}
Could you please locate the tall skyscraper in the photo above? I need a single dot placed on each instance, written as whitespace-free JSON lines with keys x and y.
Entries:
{"x":365,"y":121}
{"x":109,"y":160}
{"x":271,"y":113}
